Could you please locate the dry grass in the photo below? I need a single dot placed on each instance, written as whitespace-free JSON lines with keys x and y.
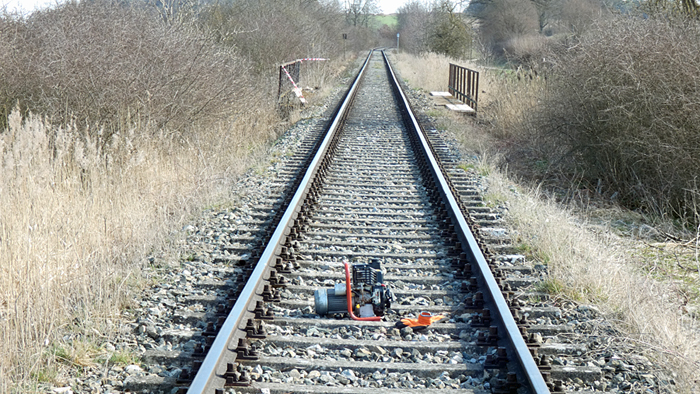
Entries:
{"x":505,"y":96}
{"x":509,"y":96}
{"x":427,"y":71}
{"x":593,"y":264}
{"x":596,"y":266}
{"x":76,"y":220}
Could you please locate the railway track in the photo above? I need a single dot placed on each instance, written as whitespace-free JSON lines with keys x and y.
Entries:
{"x":363,"y":188}
{"x":372,"y":194}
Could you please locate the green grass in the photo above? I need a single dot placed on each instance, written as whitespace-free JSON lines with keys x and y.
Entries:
{"x":532,"y":253}
{"x":60,"y":353}
{"x":45,"y":375}
{"x":550,"y":286}
{"x":121,"y":357}
{"x":466,"y":167}
{"x":672,"y":262}
{"x":441,"y":126}
{"x":378,"y":21}
{"x":434,"y":113}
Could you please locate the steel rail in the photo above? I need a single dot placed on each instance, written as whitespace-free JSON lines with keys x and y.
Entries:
{"x":537,"y":383}
{"x":231,"y":328}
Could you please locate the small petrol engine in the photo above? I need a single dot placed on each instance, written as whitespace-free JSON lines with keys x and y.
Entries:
{"x":369,"y":297}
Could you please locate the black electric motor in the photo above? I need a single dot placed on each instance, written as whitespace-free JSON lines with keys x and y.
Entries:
{"x":370,"y":296}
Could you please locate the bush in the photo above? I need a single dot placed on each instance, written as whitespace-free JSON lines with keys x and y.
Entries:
{"x":438,"y":28}
{"x":449,"y":35}
{"x":577,"y":16}
{"x":506,"y":21}
{"x":413,"y":24}
{"x":105,"y":63}
{"x":623,"y":109}
{"x":270,"y":32}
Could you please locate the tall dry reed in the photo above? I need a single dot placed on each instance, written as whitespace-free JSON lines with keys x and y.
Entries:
{"x":428,"y":71}
{"x":77,"y":220}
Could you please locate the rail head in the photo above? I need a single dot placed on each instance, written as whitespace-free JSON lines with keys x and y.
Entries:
{"x":532,"y":372}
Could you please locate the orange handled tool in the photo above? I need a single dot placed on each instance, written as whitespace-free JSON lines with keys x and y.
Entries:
{"x":424,"y":319}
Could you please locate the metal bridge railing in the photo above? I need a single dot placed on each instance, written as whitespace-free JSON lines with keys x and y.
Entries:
{"x":289,"y":93}
{"x":286,"y":100}
{"x":464,"y":85}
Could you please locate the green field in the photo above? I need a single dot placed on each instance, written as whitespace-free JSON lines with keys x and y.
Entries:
{"x":377,"y":21}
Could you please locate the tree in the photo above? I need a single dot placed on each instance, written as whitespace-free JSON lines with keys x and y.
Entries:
{"x":450,"y":35}
{"x":689,"y":8}
{"x":270,"y":32}
{"x":576,"y":16}
{"x":413,"y":20}
{"x":357,"y":12}
{"x":506,"y":21}
{"x":544,"y":12}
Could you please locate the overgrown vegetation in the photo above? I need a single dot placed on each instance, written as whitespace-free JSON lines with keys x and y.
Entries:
{"x":111,"y":65}
{"x":597,"y":94}
{"x":518,"y":31}
{"x":267,"y":32}
{"x":622,"y":110}
{"x":118,"y":121}
{"x":438,"y":27}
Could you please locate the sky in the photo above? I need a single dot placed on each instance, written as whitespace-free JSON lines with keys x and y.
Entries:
{"x":25,"y":6}
{"x":387,"y":6}
{"x":390,"y":6}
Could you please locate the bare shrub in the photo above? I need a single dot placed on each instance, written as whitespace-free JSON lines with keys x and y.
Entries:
{"x":506,"y":20}
{"x":106,"y":63}
{"x":576,"y":16}
{"x":14,"y":64}
{"x":672,"y":8}
{"x":270,"y":32}
{"x":624,"y":111}
{"x":413,"y":26}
